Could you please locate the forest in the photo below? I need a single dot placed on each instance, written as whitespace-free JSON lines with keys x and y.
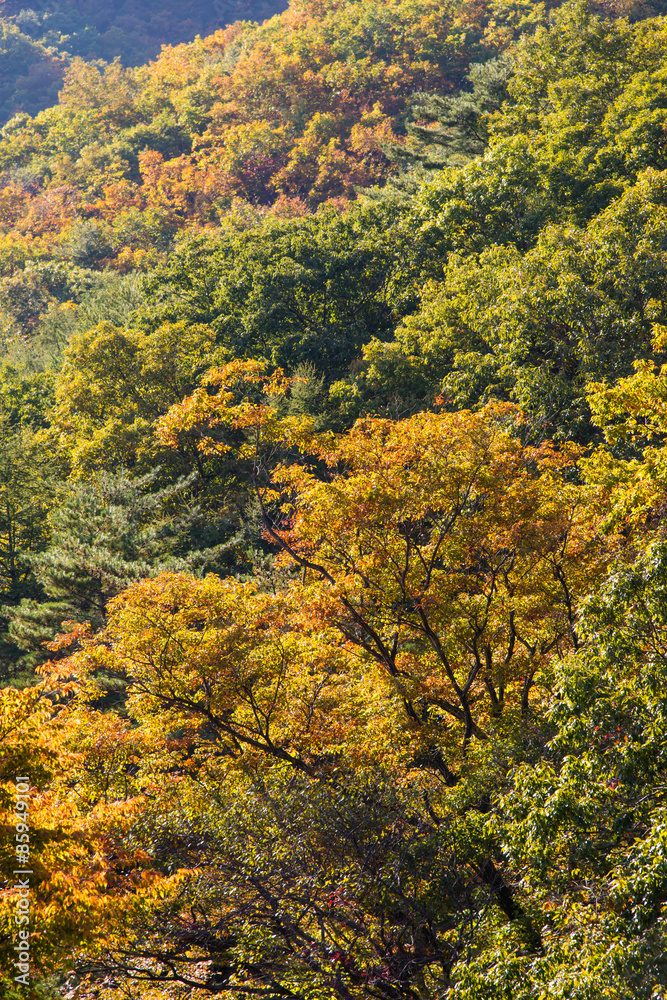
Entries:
{"x":333,"y":500}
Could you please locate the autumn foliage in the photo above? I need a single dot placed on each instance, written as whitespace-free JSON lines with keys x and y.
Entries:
{"x":333,"y":484}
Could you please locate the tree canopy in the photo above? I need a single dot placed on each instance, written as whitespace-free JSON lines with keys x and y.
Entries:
{"x":333,"y":483}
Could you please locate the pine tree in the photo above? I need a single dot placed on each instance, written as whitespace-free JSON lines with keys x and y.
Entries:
{"x":461,"y":132}
{"x":105,"y":535}
{"x":450,"y":130}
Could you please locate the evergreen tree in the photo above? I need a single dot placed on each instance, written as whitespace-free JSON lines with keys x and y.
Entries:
{"x":105,"y":535}
{"x":459,"y":123}
{"x":449,"y":130}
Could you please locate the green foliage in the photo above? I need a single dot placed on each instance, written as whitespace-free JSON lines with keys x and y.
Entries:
{"x":585,"y":829}
{"x":31,"y":73}
{"x":26,"y":489}
{"x":306,"y":291}
{"x":303,"y":895}
{"x":49,"y":302}
{"x":116,"y":382}
{"x":102,"y":537}
{"x":580,"y":306}
{"x":534,"y":327}
{"x":552,"y":241}
{"x":585,"y":115}
{"x":449,"y":130}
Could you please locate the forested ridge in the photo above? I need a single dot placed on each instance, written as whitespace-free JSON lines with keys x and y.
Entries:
{"x":333,"y":486}
{"x":38,"y":43}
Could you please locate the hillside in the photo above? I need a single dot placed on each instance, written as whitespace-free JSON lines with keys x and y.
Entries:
{"x":39,"y":43}
{"x":333,"y":480}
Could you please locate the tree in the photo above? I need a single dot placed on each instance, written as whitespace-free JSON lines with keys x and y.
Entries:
{"x":101,"y":538}
{"x":26,"y":489}
{"x":418,"y":539}
{"x":441,"y":564}
{"x":553,"y":156}
{"x":310,"y":290}
{"x":584,"y":828}
{"x":115,"y":383}
{"x":449,"y":130}
{"x":533,"y":327}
